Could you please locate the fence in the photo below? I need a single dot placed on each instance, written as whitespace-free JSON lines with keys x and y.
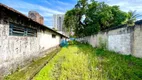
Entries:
{"x":122,"y":39}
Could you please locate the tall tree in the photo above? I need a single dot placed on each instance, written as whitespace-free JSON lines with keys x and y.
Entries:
{"x":119,"y":17}
{"x":73,"y":17}
{"x":98,"y":16}
{"x":70,"y":20}
{"x":80,"y":8}
{"x":91,"y":22}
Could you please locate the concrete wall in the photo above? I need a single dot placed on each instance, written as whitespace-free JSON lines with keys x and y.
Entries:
{"x":124,"y":40}
{"x":119,"y":40}
{"x":95,"y":40}
{"x":137,"y":43}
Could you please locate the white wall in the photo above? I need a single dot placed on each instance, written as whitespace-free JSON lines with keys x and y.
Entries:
{"x":16,"y":51}
{"x":120,"y":43}
{"x":46,"y":40}
{"x":137,"y":42}
{"x":118,"y":40}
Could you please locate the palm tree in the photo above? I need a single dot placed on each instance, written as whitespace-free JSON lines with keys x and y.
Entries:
{"x":132,"y":16}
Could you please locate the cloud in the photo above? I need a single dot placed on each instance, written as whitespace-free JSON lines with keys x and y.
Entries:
{"x":24,"y":7}
{"x":27,"y":6}
{"x":49,"y":7}
{"x":126,"y":5}
{"x":46,"y":8}
{"x":62,"y":3}
{"x":45,"y":1}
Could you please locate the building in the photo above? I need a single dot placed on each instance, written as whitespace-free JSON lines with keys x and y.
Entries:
{"x":58,"y":20}
{"x":23,"y":39}
{"x":36,"y":17}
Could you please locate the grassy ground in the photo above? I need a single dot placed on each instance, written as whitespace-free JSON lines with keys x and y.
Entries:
{"x":29,"y":71}
{"x":82,"y":62}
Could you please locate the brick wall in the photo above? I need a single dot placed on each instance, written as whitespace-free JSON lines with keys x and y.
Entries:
{"x":36,"y":17}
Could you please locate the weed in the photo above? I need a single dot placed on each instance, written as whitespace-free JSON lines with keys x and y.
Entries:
{"x":83,"y":62}
{"x":102,"y":43}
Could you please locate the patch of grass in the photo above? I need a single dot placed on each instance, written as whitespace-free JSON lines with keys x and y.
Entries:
{"x":82,"y":62}
{"x":29,"y":71}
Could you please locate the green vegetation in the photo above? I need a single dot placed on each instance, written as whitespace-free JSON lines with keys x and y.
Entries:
{"x":82,"y":62}
{"x":132,"y":18}
{"x":89,"y":18}
{"x":29,"y":71}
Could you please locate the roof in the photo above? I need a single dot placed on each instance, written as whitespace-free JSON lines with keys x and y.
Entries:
{"x":15,"y":11}
{"x":139,"y":22}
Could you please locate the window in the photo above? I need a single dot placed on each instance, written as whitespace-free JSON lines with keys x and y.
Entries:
{"x":53,"y":36}
{"x":60,"y":25}
{"x":31,"y":32}
{"x":17,"y":30}
{"x":61,"y":37}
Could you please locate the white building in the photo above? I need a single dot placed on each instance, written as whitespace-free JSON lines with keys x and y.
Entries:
{"x":58,"y":20}
{"x":22,"y":40}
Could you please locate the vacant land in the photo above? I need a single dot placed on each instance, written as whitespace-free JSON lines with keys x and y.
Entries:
{"x":82,"y":62}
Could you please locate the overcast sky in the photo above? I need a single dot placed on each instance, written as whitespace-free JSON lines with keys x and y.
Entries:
{"x":49,"y":7}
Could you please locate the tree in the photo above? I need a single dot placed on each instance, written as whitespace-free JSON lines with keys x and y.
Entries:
{"x":132,"y":18}
{"x":91,"y":22}
{"x":119,"y":17}
{"x":98,"y":16}
{"x":69,"y":20}
{"x":80,"y":8}
{"x":73,"y":17}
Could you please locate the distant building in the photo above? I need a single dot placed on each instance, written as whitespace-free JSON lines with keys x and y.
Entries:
{"x":58,"y":20}
{"x":36,"y":17}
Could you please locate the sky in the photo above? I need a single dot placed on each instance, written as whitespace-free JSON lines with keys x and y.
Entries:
{"x":47,"y":8}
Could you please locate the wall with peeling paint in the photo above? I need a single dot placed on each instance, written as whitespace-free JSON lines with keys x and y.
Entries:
{"x":124,"y":40}
{"x":137,"y":41}
{"x":16,"y":51}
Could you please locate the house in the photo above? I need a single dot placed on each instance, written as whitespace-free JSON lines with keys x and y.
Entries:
{"x":23,"y":39}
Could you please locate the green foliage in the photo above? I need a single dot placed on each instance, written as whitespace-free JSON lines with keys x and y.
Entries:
{"x":54,"y":29}
{"x":72,"y":42}
{"x":119,"y":17}
{"x":102,"y":44}
{"x":132,"y":18}
{"x":82,"y":62}
{"x":73,"y":18}
{"x":98,"y":16}
{"x":70,"y":20}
